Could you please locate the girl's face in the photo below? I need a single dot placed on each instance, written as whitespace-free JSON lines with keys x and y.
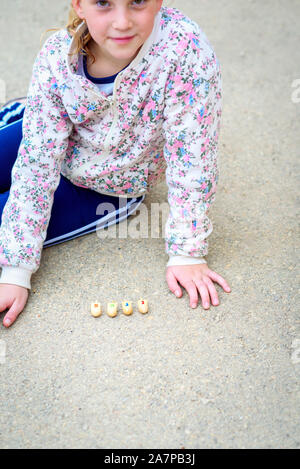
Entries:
{"x":118,"y":27}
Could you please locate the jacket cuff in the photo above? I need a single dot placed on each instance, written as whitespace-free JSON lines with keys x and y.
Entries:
{"x":185,"y":260}
{"x":16,"y":276}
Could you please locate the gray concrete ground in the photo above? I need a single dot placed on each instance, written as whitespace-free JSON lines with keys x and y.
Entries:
{"x":227,"y":377}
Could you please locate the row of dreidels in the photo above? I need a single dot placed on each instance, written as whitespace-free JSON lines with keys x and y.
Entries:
{"x":112,"y":308}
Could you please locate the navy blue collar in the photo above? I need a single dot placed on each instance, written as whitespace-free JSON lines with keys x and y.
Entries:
{"x":102,"y":81}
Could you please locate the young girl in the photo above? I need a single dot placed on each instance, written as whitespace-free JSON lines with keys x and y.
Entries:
{"x":130,"y":90}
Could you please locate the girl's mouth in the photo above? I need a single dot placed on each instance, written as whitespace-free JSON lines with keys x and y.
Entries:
{"x":122,"y":40}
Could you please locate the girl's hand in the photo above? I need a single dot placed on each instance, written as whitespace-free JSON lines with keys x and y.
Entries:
{"x":14,"y":298}
{"x":196,"y":278}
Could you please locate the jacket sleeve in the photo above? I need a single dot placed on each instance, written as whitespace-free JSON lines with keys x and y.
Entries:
{"x":35,"y":176}
{"x":191,"y":127}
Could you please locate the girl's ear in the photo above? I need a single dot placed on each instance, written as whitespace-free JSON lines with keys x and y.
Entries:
{"x":78,"y":8}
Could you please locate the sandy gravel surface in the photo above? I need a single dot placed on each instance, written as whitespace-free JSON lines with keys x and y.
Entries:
{"x":223,"y":378}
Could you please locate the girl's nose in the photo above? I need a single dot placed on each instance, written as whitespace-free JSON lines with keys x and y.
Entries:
{"x":122,"y":22}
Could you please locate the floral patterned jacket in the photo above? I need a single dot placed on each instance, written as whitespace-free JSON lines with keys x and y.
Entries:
{"x":163,"y":118}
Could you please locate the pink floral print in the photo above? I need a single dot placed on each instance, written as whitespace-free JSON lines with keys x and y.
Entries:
{"x":162,"y":120}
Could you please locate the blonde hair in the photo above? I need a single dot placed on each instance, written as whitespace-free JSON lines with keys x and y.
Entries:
{"x":80,"y":40}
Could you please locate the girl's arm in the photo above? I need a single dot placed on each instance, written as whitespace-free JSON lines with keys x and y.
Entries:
{"x":192,"y":125}
{"x":35,"y":176}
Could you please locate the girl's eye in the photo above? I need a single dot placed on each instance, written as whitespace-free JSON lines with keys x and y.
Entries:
{"x":105,"y":3}
{"x":102,"y":3}
{"x":139,"y":2}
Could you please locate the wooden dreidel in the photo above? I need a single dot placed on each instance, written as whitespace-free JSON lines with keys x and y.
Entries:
{"x":127,"y":308}
{"x":143,"y":306}
{"x":96,"y":310}
{"x":112,"y":309}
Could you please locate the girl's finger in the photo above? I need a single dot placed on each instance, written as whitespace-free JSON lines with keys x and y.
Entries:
{"x":173,"y":284}
{"x":192,"y":292}
{"x":220,"y":280}
{"x":212,"y":291}
{"x":3,"y":305}
{"x":203,"y":293}
{"x":12,"y":314}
